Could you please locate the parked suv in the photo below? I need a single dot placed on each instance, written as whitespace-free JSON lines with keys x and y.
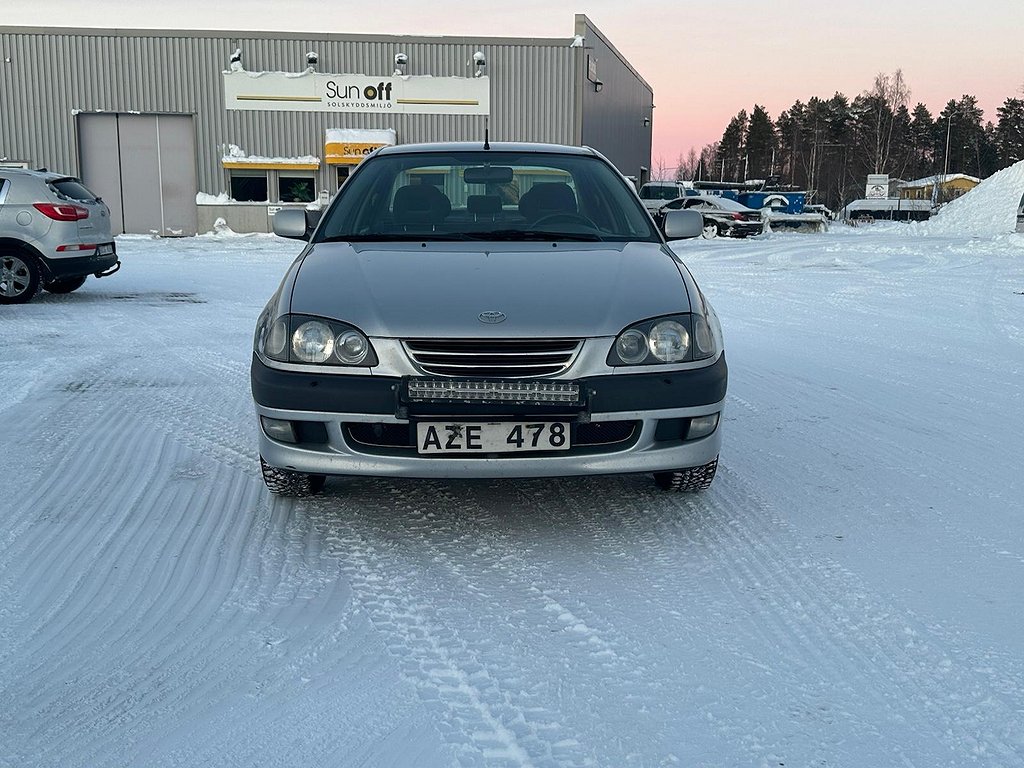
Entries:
{"x":54,"y":233}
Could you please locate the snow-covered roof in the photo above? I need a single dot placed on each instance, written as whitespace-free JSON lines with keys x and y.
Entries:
{"x":927,"y":181}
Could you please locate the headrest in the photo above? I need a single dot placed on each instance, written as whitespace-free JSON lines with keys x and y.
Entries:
{"x":420,"y":203}
{"x":485,"y":205}
{"x":545,"y":199}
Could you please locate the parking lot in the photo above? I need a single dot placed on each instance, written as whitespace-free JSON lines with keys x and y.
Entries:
{"x":846,"y":593}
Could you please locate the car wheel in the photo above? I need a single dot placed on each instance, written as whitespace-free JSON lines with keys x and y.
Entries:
{"x":710,"y":230}
{"x":19,"y":278}
{"x":688,"y":480}
{"x":65,"y":286}
{"x":286,"y":482}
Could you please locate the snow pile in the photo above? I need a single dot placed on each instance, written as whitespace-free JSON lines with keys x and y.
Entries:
{"x":235,"y":154}
{"x":988,"y":209}
{"x":204,"y":198}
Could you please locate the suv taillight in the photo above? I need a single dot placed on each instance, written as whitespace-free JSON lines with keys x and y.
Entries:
{"x":62,"y":212}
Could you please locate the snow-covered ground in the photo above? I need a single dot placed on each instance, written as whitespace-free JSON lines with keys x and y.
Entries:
{"x":850,"y":592}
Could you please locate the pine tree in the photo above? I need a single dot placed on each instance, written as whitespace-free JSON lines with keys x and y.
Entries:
{"x":761,"y":144}
{"x":732,"y":146}
{"x":1010,"y":132}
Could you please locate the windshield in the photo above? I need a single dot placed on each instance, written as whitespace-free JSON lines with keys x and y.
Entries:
{"x":486,"y":195}
{"x":659,"y":192}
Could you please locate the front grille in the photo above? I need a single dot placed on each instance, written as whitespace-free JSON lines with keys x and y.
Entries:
{"x":497,"y":358}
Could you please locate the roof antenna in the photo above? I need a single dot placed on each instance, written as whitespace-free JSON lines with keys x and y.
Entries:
{"x":487,"y":131}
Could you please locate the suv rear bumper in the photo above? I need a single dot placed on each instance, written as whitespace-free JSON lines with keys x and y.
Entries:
{"x":64,"y":267}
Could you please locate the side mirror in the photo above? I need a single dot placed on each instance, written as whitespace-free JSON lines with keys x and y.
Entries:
{"x":292,"y":222}
{"x":682,"y":225}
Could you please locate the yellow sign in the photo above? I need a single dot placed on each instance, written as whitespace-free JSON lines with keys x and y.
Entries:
{"x":348,"y":152}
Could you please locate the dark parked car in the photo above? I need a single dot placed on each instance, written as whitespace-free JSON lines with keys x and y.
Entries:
{"x":472,"y":311}
{"x":722,"y":216}
{"x":54,"y":233}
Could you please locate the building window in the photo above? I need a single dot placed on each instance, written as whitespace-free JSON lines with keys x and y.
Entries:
{"x":296,"y":187}
{"x":249,"y":186}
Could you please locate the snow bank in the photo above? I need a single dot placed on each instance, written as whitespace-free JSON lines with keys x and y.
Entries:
{"x":988,"y":209}
{"x":235,"y":154}
{"x":205,"y":198}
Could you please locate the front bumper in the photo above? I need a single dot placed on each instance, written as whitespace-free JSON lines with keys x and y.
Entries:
{"x":331,"y":414}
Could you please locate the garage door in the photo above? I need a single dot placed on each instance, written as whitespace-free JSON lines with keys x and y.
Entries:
{"x":144,"y":167}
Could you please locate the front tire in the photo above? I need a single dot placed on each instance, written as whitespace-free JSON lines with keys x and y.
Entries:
{"x":19,"y":278}
{"x":688,"y":480}
{"x":67,"y":285}
{"x":287,"y":482}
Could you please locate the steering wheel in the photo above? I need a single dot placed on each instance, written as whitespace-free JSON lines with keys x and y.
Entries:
{"x":565,"y":217}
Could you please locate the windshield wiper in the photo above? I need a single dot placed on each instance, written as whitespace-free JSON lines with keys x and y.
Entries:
{"x":534,"y":235}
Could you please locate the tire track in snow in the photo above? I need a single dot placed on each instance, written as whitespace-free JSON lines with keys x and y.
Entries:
{"x":869,"y":653}
{"x":490,"y":716}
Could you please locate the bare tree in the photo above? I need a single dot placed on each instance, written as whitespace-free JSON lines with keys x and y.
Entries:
{"x":881,"y":104}
{"x":660,"y":172}
{"x":686,"y":166}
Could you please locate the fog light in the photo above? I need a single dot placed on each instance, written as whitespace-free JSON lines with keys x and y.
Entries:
{"x":702,"y":426}
{"x":279,"y":430}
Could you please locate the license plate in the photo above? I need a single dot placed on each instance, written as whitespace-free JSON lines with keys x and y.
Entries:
{"x":104,"y":250}
{"x":493,"y":437}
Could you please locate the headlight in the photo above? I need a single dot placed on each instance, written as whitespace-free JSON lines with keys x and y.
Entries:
{"x":352,"y":347}
{"x":669,"y":341}
{"x":314,"y":341}
{"x":631,"y":346}
{"x":672,"y":339}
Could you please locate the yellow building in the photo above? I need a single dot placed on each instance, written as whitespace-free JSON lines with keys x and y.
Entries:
{"x":950,"y":186}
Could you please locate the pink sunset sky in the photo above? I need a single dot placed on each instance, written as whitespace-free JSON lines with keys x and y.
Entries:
{"x":706,"y":60}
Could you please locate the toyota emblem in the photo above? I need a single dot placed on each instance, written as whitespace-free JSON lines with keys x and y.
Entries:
{"x":492,"y":317}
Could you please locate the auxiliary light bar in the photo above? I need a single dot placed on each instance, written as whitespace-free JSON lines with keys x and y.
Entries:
{"x":494,"y":391}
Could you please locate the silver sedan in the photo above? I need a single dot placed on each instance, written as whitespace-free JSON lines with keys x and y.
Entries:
{"x":508,"y":310}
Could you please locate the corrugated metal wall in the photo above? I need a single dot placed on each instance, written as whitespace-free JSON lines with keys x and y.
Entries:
{"x":46,"y":75}
{"x":613,"y":119}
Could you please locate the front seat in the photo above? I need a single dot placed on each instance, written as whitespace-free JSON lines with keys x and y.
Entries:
{"x":547,"y":199}
{"x":420,"y":204}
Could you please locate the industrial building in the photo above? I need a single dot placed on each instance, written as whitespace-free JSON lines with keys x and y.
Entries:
{"x":175,"y":129}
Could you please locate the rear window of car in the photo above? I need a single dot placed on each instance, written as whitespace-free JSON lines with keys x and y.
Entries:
{"x":486,"y":195}
{"x":72,"y":189}
{"x":659,"y":192}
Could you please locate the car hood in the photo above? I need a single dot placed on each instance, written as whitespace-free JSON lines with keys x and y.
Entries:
{"x":441,"y":289}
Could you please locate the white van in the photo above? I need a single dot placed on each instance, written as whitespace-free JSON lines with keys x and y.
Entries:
{"x":655,"y":194}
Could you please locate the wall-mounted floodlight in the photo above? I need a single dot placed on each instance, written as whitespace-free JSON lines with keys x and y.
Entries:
{"x":236,"y":60}
{"x":312,"y":59}
{"x":479,"y":61}
{"x":401,"y":62}
{"x":647,"y":122}
{"x":598,"y":85}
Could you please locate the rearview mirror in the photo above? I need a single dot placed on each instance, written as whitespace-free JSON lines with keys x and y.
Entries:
{"x":487,"y":174}
{"x":682,"y":225}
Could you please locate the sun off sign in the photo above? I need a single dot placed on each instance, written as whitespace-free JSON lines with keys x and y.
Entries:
{"x":319,"y":92}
